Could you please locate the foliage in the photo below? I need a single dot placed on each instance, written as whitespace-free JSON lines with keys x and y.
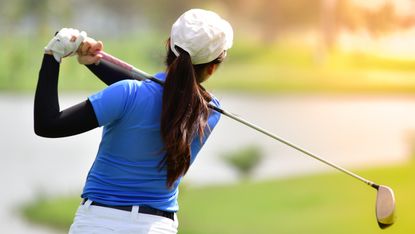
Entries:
{"x":138,"y":29}
{"x":250,"y":67}
{"x":244,"y":160}
{"x":269,"y":18}
{"x":59,"y":213}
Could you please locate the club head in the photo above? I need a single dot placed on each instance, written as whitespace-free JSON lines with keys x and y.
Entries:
{"x":385,"y":206}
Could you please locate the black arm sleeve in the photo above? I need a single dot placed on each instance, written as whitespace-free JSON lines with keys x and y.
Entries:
{"x":49,"y":121}
{"x":110,"y":73}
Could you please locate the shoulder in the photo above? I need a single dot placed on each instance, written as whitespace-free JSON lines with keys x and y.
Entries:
{"x":214,"y":115}
{"x":215,"y":101}
{"x":161,"y":76}
{"x":124,"y":87}
{"x":127,"y":84}
{"x":117,"y":93}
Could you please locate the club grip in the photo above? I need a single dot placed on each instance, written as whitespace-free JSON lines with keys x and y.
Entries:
{"x":115,"y":61}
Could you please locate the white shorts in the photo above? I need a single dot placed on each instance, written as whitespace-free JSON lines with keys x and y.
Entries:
{"x":90,"y":219}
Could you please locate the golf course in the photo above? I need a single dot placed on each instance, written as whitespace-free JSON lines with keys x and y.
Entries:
{"x":327,"y":203}
{"x":323,"y":203}
{"x":331,"y":77}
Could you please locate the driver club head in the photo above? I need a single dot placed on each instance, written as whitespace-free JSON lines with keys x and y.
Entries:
{"x":385,"y":206}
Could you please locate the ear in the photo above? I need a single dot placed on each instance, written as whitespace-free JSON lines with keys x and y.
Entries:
{"x":211,"y":68}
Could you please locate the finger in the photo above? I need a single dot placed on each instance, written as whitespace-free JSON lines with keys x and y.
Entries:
{"x":100,"y":46}
{"x":86,"y":48}
{"x":81,"y":47}
{"x":97,"y":59}
{"x":96,"y":47}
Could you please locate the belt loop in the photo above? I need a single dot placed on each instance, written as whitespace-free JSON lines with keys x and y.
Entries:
{"x":134,"y":211}
{"x":87,"y":204}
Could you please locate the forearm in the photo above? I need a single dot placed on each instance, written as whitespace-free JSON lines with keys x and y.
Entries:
{"x":49,"y":121}
{"x":46,"y":103}
{"x":109,"y":73}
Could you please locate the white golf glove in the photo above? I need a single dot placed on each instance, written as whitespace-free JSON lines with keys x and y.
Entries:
{"x":65,"y":43}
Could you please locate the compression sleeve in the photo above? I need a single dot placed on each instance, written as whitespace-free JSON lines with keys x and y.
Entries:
{"x":49,"y":121}
{"x":109,"y":73}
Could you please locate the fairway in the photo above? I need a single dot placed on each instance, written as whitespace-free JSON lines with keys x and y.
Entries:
{"x":325,"y":203}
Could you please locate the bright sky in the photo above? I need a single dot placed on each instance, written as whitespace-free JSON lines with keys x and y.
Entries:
{"x":404,"y":7}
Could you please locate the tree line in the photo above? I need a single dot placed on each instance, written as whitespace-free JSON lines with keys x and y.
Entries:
{"x":268,"y":18}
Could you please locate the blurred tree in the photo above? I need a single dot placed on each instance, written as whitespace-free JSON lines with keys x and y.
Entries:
{"x":34,"y":16}
{"x":273,"y":17}
{"x":265,"y":19}
{"x":163,"y":17}
{"x":158,"y":15}
{"x":382,"y":20}
{"x":377,"y":21}
{"x":244,"y":159}
{"x":269,"y":18}
{"x":328,"y":31}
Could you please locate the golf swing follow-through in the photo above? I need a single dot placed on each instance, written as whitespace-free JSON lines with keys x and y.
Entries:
{"x":385,"y":199}
{"x":151,"y":133}
{"x":154,"y":126}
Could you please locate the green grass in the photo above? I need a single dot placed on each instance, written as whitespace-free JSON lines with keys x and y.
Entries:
{"x":251,"y":66}
{"x":324,"y":203}
{"x":56,"y":213}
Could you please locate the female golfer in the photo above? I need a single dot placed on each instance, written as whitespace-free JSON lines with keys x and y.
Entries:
{"x":152,"y":133}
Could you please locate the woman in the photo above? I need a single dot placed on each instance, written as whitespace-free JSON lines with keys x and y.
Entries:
{"x":151,"y":133}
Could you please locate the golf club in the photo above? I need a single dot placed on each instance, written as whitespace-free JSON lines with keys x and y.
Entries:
{"x":385,"y":199}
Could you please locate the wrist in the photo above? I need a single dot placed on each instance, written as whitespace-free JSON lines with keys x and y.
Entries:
{"x":79,"y":50}
{"x":65,"y":43}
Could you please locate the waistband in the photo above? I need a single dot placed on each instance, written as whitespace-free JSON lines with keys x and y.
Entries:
{"x":141,"y":209}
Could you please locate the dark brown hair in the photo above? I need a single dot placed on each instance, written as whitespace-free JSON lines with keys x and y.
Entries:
{"x":184,"y":113}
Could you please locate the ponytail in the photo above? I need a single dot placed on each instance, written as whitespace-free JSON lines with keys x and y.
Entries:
{"x":184,"y":113}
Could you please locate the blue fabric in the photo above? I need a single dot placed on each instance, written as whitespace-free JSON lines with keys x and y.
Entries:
{"x":126,"y":169}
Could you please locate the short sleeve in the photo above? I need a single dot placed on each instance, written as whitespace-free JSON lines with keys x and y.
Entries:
{"x":214,"y":116}
{"x":111,"y":103}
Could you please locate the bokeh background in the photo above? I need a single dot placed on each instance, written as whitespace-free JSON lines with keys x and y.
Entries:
{"x":336,"y":77}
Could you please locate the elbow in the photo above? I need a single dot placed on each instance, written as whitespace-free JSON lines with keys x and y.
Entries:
{"x":43,"y":125}
{"x":37,"y":126}
{"x":42,"y":130}
{"x":39,"y":131}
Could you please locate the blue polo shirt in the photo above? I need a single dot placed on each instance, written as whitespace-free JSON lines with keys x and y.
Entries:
{"x":126,"y":169}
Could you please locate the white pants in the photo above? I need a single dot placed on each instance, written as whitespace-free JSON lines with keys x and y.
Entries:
{"x":96,"y":219}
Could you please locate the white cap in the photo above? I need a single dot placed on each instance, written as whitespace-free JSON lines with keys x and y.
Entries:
{"x":201,"y":33}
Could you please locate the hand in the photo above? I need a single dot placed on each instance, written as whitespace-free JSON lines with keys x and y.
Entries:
{"x":88,"y":51}
{"x":65,"y":43}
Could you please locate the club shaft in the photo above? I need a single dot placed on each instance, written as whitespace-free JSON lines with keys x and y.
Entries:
{"x":259,"y":129}
{"x":141,"y":75}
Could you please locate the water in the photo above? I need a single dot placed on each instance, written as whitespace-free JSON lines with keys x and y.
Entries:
{"x":352,"y":131}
